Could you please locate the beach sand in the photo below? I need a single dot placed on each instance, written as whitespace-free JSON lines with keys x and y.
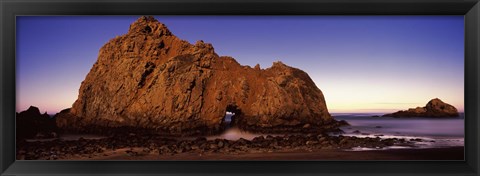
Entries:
{"x":451,"y":153}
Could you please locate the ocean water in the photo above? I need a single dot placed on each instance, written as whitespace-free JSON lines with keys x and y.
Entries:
{"x":434,"y":133}
{"x":234,"y":133}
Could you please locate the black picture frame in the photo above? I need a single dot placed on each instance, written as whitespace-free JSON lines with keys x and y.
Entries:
{"x":10,"y":9}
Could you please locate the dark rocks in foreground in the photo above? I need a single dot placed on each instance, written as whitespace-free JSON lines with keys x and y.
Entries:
{"x":60,"y":149}
{"x":32,"y":124}
{"x":434,"y":108}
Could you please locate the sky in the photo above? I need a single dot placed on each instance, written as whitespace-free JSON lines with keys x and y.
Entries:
{"x":362,"y":64}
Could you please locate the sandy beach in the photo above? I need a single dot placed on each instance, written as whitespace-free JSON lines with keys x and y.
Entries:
{"x":451,"y":153}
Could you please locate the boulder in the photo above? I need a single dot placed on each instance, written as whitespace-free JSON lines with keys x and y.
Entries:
{"x":434,"y":108}
{"x":150,"y":79}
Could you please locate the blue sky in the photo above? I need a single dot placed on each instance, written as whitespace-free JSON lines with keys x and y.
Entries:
{"x":361,"y":63}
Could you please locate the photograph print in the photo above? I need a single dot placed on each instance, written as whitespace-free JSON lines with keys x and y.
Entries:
{"x":240,"y":88}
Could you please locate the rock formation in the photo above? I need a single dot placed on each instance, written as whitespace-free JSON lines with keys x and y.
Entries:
{"x":150,"y":79}
{"x":434,"y":108}
{"x":32,"y":124}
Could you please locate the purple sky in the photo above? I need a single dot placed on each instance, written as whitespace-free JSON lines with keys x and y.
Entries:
{"x":361,"y":63}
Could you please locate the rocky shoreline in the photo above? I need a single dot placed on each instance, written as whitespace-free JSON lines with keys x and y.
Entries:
{"x":136,"y":145}
{"x":332,"y":127}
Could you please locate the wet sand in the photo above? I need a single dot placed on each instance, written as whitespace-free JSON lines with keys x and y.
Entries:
{"x":451,"y":153}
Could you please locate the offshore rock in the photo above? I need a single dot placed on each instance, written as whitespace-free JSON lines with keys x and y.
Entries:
{"x":32,"y":124}
{"x":150,"y":79}
{"x":434,"y":108}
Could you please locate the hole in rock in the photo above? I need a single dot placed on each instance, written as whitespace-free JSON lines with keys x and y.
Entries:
{"x":231,"y":132}
{"x":231,"y":113}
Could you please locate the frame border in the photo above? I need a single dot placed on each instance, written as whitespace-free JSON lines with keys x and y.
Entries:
{"x":10,"y":9}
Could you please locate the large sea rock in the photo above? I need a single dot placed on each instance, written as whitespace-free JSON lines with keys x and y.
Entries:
{"x":150,"y":79}
{"x":434,"y":108}
{"x":32,"y":124}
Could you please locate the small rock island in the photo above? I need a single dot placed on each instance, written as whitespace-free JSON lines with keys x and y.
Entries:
{"x":434,"y":108}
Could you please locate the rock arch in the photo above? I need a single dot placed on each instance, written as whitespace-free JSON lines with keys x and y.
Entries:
{"x":182,"y":88}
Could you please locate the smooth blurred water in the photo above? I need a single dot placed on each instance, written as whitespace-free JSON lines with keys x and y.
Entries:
{"x":234,"y":133}
{"x":434,"y":133}
{"x":446,"y":132}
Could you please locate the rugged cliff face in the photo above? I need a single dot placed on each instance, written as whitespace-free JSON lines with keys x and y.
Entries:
{"x":434,"y":108}
{"x":150,"y":79}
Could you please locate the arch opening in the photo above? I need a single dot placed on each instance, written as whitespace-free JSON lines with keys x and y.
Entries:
{"x":232,"y":114}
